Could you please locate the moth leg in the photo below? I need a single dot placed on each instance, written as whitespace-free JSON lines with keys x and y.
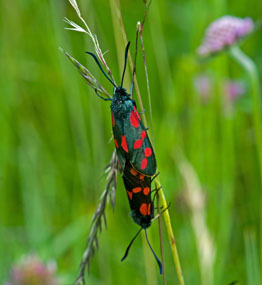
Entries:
{"x":156,"y":191}
{"x":158,"y":215}
{"x":155,"y":176}
{"x":105,"y":99}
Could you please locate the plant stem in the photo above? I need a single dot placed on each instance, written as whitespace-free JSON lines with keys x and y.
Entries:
{"x":140,"y":30}
{"x":251,"y":256}
{"x":139,"y":98}
{"x":160,"y":226}
{"x":251,"y":69}
{"x":170,"y":233}
{"x":157,"y":183}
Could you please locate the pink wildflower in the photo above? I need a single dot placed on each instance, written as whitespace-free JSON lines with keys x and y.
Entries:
{"x":32,"y":271}
{"x":224,"y":32}
{"x":234,"y":90}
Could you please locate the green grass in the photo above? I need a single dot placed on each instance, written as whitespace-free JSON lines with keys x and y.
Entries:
{"x":54,"y":141}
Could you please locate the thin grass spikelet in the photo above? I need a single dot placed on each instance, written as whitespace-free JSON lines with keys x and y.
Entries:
{"x":74,"y":26}
{"x":86,"y":30}
{"x":99,"y":216}
{"x":91,"y":80}
{"x":75,"y":6}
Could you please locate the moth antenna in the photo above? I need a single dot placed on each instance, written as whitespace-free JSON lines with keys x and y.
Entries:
{"x":157,"y":259}
{"x":127,"y":250}
{"x":99,"y":65}
{"x":126,"y":52}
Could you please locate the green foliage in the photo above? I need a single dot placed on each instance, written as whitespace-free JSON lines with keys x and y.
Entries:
{"x":55,"y":132}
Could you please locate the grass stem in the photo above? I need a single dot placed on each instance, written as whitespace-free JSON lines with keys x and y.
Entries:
{"x":249,"y":66}
{"x":170,"y":233}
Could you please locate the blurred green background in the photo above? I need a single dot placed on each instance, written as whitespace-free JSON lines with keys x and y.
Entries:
{"x":55,"y":141}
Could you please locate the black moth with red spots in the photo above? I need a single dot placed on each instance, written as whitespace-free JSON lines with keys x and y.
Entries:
{"x":135,"y":154}
{"x":138,"y":188}
{"x":130,"y":136}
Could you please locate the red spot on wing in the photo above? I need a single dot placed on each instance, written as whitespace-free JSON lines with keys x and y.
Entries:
{"x":144,"y":163}
{"x":133,"y":171}
{"x":124,"y":144}
{"x":113,"y":119}
{"x":146,"y":191}
{"x":134,"y":119}
{"x":149,"y":209}
{"x":143,"y":209}
{"x":148,"y":151}
{"x":138,"y":144}
{"x":116,"y":144}
{"x":137,"y":189}
{"x":137,"y":114}
{"x":141,"y":176}
{"x":143,"y":134}
{"x":130,"y":195}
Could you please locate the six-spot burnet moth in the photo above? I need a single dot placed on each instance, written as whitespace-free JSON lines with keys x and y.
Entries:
{"x":138,"y":188}
{"x":134,"y":150}
{"x":135,"y":154}
{"x":130,"y":135}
